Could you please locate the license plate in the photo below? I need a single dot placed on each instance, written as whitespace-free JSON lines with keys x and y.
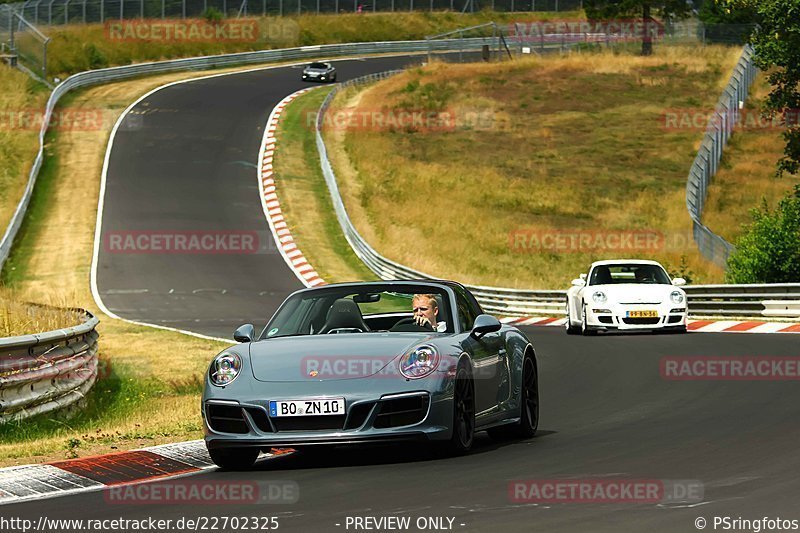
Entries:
{"x":324,"y":406}
{"x":642,"y":314}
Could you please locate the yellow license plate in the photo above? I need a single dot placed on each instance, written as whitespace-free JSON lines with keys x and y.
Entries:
{"x":642,"y":314}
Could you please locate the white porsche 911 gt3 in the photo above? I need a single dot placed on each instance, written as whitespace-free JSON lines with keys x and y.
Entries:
{"x":625,"y":294}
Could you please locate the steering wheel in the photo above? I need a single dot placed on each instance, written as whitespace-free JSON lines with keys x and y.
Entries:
{"x":410,"y":321}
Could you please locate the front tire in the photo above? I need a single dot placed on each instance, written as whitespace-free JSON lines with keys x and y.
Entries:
{"x":568,"y":327}
{"x":586,"y":331}
{"x":234,"y":458}
{"x":463,"y":414}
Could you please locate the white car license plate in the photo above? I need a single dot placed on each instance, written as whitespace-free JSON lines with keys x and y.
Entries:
{"x":323,"y":406}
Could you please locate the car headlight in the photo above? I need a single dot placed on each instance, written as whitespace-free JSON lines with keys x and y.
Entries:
{"x":599,"y":297}
{"x":224,"y":369}
{"x":419,"y":362}
{"x":676,"y":297}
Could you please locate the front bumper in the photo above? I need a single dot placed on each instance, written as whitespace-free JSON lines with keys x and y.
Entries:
{"x":407,"y":415}
{"x":669,"y":316}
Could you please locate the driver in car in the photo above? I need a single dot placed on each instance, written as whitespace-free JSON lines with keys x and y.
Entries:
{"x":425,"y":311}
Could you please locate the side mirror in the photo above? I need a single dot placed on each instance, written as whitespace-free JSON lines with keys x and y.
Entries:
{"x":485,"y":324}
{"x":583,"y":276}
{"x":577,"y":282}
{"x":678,"y":282}
{"x":245,"y":333}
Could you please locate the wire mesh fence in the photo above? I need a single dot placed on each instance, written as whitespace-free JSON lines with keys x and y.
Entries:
{"x":49,"y":12}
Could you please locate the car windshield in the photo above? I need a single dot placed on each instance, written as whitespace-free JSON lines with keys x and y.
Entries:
{"x":629,"y":273}
{"x":318,"y":65}
{"x":368,"y":309}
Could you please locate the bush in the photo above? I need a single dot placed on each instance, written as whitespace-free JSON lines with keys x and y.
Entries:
{"x":769,"y":249}
{"x":213,"y":15}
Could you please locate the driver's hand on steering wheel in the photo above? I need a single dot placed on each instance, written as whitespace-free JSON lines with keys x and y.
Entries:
{"x":422,"y":321}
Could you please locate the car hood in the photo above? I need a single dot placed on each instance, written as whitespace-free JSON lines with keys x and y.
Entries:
{"x":332,"y":357}
{"x":632,"y":293}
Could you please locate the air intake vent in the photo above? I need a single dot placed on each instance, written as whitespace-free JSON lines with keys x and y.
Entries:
{"x":226,"y":418}
{"x":402,"y":411}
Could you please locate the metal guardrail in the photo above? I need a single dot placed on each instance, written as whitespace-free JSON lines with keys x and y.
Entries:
{"x":769,"y":300}
{"x":726,"y":116}
{"x":47,"y":371}
{"x":93,"y":77}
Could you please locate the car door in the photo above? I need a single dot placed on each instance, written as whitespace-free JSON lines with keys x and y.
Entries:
{"x":488,"y":359}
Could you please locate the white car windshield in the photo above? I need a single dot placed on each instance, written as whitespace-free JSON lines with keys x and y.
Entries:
{"x":629,"y":273}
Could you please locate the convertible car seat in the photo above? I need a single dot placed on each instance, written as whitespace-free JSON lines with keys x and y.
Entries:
{"x":344,"y":313}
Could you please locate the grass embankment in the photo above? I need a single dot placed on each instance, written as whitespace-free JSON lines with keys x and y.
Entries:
{"x":21,"y":100}
{"x":746,"y":177}
{"x":304,"y":196}
{"x":540,"y":147}
{"x":151,"y":379}
{"x":75,"y":48}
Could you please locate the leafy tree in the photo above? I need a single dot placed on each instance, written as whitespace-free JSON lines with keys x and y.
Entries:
{"x":608,"y":9}
{"x":769,"y":250}
{"x":777,"y":45}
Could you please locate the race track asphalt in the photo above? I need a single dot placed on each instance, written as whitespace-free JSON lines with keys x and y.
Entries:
{"x":605,"y":412}
{"x":187,"y":164}
{"x":183,"y":163}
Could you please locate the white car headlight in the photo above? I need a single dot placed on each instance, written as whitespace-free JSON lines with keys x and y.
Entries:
{"x":599,"y":297}
{"x":419,"y":362}
{"x":676,"y":297}
{"x":224,"y":369}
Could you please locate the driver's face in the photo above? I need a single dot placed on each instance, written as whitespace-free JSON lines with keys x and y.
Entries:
{"x":424,"y":307}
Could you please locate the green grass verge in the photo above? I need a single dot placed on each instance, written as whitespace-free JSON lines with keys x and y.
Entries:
{"x":305,"y":200}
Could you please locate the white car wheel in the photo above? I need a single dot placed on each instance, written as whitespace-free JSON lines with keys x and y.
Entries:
{"x":585,"y":329}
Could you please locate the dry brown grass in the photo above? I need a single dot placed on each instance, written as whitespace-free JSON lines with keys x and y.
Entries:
{"x":20,"y":318}
{"x":747,"y":174}
{"x":21,"y":102}
{"x":575,"y":143}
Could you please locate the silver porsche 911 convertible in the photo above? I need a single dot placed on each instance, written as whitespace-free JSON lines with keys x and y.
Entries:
{"x":370,"y":362}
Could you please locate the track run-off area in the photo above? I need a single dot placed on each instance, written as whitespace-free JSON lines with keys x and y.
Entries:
{"x":184,"y":158}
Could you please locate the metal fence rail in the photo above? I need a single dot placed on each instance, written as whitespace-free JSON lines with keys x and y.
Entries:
{"x":726,"y":116}
{"x":47,"y":371}
{"x":52,"y":12}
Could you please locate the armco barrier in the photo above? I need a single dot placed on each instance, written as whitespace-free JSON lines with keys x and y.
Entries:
{"x":93,"y":77}
{"x":703,"y":300}
{"x":47,"y":371}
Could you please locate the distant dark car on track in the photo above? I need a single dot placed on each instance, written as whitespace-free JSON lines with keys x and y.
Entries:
{"x":319,"y":71}
{"x":348,"y":364}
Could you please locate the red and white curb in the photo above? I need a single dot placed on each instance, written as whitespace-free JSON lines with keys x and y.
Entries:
{"x":272,"y":207}
{"x":167,"y":461}
{"x":703,"y":326}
